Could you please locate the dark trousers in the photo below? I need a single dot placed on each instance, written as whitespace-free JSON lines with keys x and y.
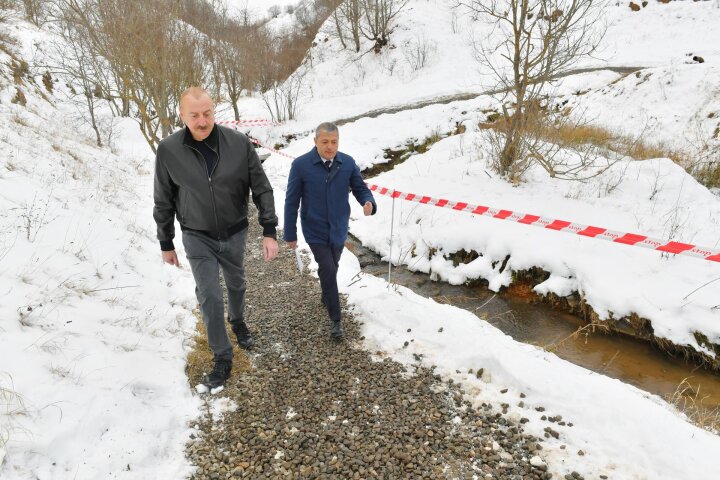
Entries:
{"x":206,"y":256}
{"x":328,"y":259}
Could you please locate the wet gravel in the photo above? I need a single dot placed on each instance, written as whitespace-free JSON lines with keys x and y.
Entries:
{"x":310,"y":407}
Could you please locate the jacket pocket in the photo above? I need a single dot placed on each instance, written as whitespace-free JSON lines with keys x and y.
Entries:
{"x":183,"y":205}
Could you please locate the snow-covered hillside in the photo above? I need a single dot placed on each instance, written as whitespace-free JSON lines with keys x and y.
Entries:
{"x":94,"y":330}
{"x":92,"y":341}
{"x":279,"y":15}
{"x":672,"y":101}
{"x":653,"y":197}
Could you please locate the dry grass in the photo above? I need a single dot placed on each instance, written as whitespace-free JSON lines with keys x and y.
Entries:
{"x":709,"y":174}
{"x":575,"y":136}
{"x":12,"y":404}
{"x":7,"y":42}
{"x":572,"y":135}
{"x":200,"y":359}
{"x":690,"y":401}
{"x":584,"y":332}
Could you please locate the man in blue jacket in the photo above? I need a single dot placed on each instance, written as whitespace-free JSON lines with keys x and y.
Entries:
{"x":318,"y":184}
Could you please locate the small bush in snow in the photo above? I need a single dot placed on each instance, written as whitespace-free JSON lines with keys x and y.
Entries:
{"x":417,"y":52}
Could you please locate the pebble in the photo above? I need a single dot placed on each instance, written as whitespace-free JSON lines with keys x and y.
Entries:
{"x":354,"y":416}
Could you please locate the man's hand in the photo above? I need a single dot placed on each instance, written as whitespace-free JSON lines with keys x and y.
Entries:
{"x":270,"y":248}
{"x":171,"y":258}
{"x":367,"y":209}
{"x":292,"y":245}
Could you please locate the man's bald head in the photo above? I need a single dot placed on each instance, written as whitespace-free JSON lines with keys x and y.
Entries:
{"x":194,"y":92}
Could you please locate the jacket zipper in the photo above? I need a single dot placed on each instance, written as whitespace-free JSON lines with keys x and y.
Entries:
{"x":210,"y":186}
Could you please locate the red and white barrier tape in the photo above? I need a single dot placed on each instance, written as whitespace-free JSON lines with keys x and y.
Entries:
{"x":633,"y":239}
{"x":249,"y":122}
{"x":559,"y":225}
{"x":255,"y":140}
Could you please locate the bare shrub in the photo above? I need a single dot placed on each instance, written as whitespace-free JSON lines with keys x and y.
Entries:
{"x":8,"y":9}
{"x":19,"y":98}
{"x":282,"y":98}
{"x":708,"y":173}
{"x":36,"y":11}
{"x":417,"y":52}
{"x":8,"y":4}
{"x":274,"y":11}
{"x":554,"y":142}
{"x":20,"y":69}
{"x":33,"y":216}
{"x":7,"y":41}
{"x":593,"y":149}
{"x":71,"y":59}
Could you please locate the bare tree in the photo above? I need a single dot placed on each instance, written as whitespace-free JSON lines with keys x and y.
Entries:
{"x":347,"y":17}
{"x":379,"y":15}
{"x":370,"y":19}
{"x":151,"y":57}
{"x":71,"y":61}
{"x":229,"y":49}
{"x":531,"y":42}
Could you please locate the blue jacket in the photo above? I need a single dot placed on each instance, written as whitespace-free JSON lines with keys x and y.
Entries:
{"x":322,"y":197}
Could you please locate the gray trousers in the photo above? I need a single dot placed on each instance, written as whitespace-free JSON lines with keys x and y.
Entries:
{"x":206,"y":256}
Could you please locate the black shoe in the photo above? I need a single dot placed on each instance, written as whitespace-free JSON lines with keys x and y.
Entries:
{"x":244,"y":338}
{"x":220,"y":373}
{"x":336,"y":331}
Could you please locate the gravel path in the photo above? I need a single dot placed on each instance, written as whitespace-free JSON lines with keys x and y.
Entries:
{"x":309,"y":407}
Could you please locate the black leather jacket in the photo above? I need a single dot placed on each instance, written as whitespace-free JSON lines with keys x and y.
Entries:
{"x":216,"y":202}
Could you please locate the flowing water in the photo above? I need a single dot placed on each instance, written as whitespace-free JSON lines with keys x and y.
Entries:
{"x":615,"y":355}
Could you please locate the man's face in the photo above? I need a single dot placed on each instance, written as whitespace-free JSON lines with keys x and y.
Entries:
{"x":198,"y":115}
{"x":327,"y":144}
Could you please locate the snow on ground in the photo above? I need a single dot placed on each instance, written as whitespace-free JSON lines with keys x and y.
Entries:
{"x":617,"y":430}
{"x":654,"y":197}
{"x":622,"y":432}
{"x":94,"y":331}
{"x":673,"y":101}
{"x":625,"y":433}
{"x":677,"y":106}
{"x":277,"y":14}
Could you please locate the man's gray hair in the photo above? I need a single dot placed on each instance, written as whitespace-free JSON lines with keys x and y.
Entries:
{"x":328,"y":127}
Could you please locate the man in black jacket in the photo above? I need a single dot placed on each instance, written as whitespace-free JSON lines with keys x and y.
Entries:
{"x":203,"y":176}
